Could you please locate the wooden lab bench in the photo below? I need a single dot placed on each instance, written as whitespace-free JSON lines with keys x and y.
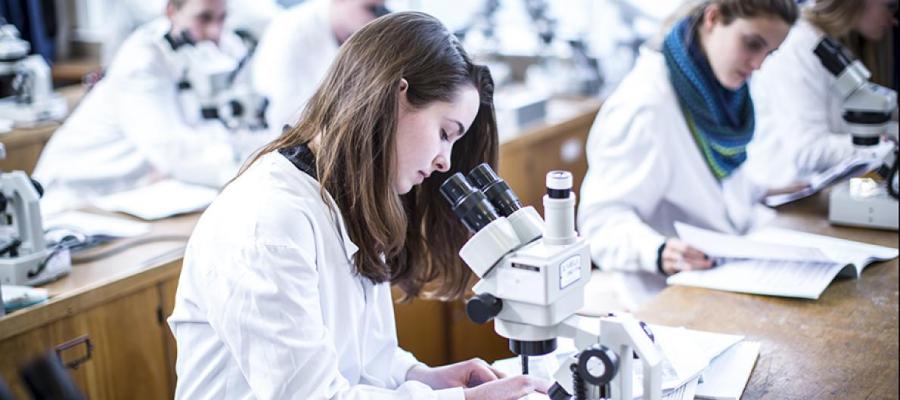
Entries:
{"x":841,"y":346}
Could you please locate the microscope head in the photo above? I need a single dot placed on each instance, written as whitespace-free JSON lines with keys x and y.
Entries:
{"x":867,"y":106}
{"x":532,"y":272}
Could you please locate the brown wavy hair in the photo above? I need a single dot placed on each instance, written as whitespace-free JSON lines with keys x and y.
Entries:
{"x":411,"y":240}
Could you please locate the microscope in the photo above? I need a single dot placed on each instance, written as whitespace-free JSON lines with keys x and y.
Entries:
{"x":867,"y":110}
{"x":25,"y":258}
{"x":216,"y":86}
{"x":532,"y":276}
{"x":26,"y":86}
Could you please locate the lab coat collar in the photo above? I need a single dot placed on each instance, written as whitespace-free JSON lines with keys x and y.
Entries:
{"x":330,"y":206}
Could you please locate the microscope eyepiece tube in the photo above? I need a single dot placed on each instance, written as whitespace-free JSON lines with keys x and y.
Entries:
{"x":496,"y":189}
{"x":559,"y":209}
{"x":559,"y":184}
{"x":833,"y":56}
{"x":470,"y":205}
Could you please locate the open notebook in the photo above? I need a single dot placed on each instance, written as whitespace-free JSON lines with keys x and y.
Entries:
{"x":762,"y":262}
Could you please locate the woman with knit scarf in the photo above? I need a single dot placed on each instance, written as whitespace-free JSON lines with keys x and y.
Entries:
{"x":668,"y":145}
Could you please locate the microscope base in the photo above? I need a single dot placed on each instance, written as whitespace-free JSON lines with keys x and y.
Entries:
{"x":53,"y":108}
{"x":879,"y":211}
{"x":16,"y":270}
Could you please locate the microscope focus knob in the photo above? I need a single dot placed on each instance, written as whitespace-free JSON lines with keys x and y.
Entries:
{"x":483,"y":308}
{"x":598,"y":364}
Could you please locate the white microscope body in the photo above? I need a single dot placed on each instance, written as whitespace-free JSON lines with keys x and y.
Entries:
{"x":216,"y":86}
{"x":26,"y":86}
{"x":533,"y":275}
{"x":867,"y":110}
{"x":25,"y":258}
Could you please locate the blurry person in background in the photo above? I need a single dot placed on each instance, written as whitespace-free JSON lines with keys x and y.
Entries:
{"x":669,"y":144}
{"x":123,"y":17}
{"x":140,"y":123}
{"x":297,"y":49}
{"x":799,"y":116}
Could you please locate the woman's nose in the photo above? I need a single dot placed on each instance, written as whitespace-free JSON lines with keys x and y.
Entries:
{"x":442,"y":163}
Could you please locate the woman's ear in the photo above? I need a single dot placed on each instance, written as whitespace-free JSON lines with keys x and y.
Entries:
{"x":711,"y":16}
{"x":403,"y":86}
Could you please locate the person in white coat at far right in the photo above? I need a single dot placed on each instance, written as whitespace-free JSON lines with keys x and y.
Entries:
{"x":138,"y":125}
{"x":799,"y":116}
{"x":297,"y":48}
{"x":669,"y":143}
{"x":285,"y":292}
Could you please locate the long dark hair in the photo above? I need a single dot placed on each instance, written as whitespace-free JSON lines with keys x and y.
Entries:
{"x":354,"y":113}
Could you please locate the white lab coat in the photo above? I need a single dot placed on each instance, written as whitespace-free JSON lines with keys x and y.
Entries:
{"x":799,"y":129}
{"x":122,"y":18}
{"x":131,"y":129}
{"x":645,"y":172}
{"x":291,"y":60}
{"x":268,"y":305}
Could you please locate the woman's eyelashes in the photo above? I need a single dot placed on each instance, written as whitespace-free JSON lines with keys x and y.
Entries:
{"x":753,"y":45}
{"x":444,"y":135}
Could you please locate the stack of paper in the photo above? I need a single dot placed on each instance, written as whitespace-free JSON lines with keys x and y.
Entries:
{"x":95,"y":224}
{"x":761,"y":263}
{"x":160,"y":200}
{"x":728,"y":373}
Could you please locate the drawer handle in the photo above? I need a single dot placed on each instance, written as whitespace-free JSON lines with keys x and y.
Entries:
{"x":89,"y":349}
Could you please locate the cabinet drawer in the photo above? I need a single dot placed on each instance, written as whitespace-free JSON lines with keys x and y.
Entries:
{"x":128,"y":355}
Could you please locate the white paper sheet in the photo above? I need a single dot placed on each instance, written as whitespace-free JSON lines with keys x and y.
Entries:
{"x":723,"y":245}
{"x":159,"y":200}
{"x":766,"y":277}
{"x":727,"y":375}
{"x":685,"y":392}
{"x":95,"y":224}
{"x":840,"y":250}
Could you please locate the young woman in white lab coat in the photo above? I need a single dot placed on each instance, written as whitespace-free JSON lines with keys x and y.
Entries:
{"x":297,"y":48}
{"x":285,"y":290}
{"x":132,"y":128}
{"x":799,"y":117}
{"x":668,"y":144}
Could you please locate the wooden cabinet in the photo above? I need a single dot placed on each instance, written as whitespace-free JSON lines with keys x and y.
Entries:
{"x":439,"y":333}
{"x":127,"y":357}
{"x":422,"y":327}
{"x":167,"y":289}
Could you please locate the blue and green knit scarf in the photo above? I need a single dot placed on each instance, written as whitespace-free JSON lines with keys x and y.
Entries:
{"x":720,"y":120}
